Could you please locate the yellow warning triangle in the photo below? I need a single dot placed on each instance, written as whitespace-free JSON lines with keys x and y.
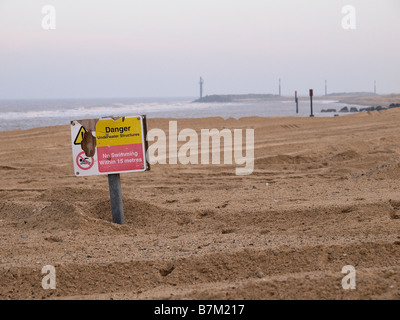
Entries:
{"x":80,"y":135}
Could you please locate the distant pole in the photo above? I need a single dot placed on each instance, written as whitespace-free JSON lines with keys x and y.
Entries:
{"x":280,"y":88}
{"x":326,"y":87}
{"x":375,"y":86}
{"x":117,"y":207}
{"x":297,"y":101}
{"x":311,"y":98}
{"x":201,"y":87}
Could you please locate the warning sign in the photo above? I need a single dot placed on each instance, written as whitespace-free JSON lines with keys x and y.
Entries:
{"x":80,"y":136}
{"x":120,"y":145}
{"x":119,"y":132}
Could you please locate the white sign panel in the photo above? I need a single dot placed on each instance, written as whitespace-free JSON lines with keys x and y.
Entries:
{"x":109,"y":146}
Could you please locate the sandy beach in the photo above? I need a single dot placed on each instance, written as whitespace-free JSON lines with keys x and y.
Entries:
{"x":324,"y":194}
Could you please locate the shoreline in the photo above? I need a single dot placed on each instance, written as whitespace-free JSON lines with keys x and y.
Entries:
{"x":271,"y":109}
{"x":207,"y":118}
{"x":185,"y":120}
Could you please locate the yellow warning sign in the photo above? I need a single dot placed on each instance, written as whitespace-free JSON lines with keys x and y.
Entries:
{"x":79,"y":136}
{"x":123,"y":131}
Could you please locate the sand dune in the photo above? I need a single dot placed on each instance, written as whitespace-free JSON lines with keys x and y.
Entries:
{"x":324,"y":194}
{"x":378,"y":100}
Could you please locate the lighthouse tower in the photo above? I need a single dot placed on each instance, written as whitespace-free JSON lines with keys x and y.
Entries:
{"x":280,"y":88}
{"x":201,"y":87}
{"x":326,"y":87}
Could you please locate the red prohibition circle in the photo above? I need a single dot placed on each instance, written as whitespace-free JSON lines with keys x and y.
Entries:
{"x":82,"y":159}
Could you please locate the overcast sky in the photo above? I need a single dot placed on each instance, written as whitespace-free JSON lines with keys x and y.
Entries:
{"x":160,"y":48}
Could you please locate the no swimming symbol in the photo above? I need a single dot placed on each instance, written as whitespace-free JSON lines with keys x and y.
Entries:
{"x":83,"y":162}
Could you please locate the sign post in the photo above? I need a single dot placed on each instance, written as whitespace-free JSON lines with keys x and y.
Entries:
{"x":117,"y":207}
{"x":110,"y":146}
{"x":311,"y":101}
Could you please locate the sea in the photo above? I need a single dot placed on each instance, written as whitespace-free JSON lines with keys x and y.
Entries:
{"x":28,"y":114}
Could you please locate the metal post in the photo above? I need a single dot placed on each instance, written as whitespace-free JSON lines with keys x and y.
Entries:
{"x":117,"y":207}
{"x":297,"y":102}
{"x":311,"y":98}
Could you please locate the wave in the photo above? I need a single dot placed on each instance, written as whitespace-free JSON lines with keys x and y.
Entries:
{"x":115,"y":109}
